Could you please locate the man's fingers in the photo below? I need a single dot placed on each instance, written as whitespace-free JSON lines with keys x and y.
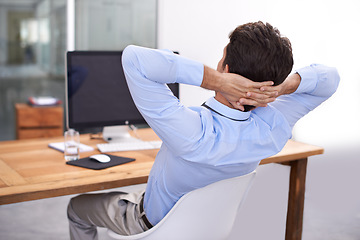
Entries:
{"x":267,"y":83}
{"x":261,"y":96}
{"x":237,"y":105}
{"x":261,"y":87}
{"x":258,"y":103}
{"x":258,"y":85}
{"x":246,"y":101}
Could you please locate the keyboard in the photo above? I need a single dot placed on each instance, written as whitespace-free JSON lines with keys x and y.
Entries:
{"x":128,"y":146}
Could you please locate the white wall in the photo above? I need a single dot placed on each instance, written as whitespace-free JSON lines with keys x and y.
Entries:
{"x":321,"y":31}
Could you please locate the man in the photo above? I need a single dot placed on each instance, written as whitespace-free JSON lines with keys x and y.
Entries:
{"x":226,"y":137}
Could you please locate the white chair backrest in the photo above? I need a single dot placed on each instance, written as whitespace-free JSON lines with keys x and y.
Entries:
{"x":205,"y":213}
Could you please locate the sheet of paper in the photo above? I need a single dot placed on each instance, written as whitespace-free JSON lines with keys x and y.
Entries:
{"x":61,"y":146}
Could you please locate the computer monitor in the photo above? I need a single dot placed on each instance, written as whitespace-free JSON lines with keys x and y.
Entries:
{"x":97,"y":94}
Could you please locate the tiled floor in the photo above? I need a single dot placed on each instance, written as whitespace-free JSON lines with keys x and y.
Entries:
{"x":41,"y":219}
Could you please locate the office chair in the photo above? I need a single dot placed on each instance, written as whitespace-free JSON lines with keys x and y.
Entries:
{"x":205,"y":213}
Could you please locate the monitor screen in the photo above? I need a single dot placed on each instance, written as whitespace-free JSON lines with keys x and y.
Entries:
{"x":97,"y":94}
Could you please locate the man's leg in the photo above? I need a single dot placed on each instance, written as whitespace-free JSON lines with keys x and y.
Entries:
{"x":109,"y":210}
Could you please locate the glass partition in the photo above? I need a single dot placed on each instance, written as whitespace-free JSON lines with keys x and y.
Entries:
{"x":114,"y":24}
{"x":32,"y":46}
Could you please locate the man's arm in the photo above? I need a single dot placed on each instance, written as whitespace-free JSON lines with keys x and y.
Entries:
{"x":290,"y":85}
{"x":147,"y":71}
{"x":304,"y":90}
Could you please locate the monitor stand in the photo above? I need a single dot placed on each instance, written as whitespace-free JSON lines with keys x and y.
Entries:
{"x":113,"y":134}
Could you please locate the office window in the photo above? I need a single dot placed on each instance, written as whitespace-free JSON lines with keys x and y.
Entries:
{"x":32,"y":44}
{"x":34,"y":37}
{"x":114,"y":24}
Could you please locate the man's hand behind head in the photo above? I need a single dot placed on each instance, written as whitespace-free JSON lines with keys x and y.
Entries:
{"x":270,"y":93}
{"x":240,"y":91}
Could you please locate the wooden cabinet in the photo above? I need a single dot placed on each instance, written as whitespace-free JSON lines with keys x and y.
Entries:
{"x":38,"y":122}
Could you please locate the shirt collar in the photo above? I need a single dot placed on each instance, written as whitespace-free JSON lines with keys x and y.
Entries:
{"x":225,"y":111}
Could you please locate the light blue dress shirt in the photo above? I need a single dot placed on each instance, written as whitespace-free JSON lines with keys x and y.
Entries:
{"x":201,"y":145}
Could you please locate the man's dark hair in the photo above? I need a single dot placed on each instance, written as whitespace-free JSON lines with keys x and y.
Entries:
{"x":257,"y":51}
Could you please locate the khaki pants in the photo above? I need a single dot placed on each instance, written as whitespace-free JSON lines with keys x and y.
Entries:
{"x":117,"y":211}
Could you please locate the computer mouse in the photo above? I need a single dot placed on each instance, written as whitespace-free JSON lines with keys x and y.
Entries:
{"x":102,"y":158}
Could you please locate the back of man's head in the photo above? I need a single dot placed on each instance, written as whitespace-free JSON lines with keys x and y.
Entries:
{"x":257,"y":51}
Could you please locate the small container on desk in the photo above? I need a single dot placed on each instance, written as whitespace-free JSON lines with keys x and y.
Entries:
{"x":72,"y":142}
{"x":38,"y":122}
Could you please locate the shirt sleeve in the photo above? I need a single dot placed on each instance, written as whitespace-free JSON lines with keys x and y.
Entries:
{"x":318,"y":83}
{"x":147,"y":71}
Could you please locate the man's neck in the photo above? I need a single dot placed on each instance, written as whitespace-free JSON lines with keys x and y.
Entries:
{"x":220,"y":98}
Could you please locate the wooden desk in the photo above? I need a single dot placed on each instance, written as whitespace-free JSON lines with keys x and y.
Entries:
{"x":30,"y":170}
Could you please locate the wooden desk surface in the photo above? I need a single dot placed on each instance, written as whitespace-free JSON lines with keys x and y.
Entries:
{"x":30,"y":170}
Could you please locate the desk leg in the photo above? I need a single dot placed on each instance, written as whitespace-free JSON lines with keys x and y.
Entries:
{"x":294,"y":220}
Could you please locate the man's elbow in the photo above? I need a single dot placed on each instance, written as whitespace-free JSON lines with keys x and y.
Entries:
{"x":333,"y":80}
{"x":128,"y":56}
